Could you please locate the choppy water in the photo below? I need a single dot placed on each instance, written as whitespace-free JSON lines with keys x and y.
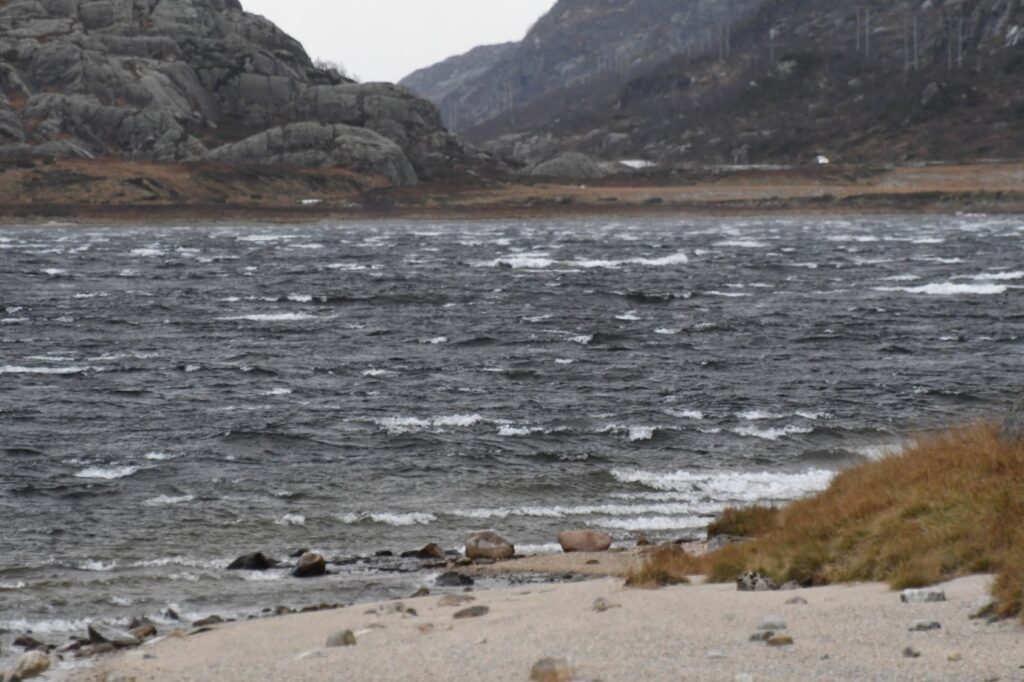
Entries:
{"x":173,"y":397}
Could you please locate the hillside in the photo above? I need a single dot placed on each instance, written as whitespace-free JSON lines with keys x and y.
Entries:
{"x":753,"y":81}
{"x":198,"y":80}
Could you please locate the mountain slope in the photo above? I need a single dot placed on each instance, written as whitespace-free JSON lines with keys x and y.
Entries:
{"x":755,"y":81}
{"x":198,"y":79}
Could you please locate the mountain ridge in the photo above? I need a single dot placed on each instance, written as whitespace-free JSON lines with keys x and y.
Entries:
{"x":754,"y":81}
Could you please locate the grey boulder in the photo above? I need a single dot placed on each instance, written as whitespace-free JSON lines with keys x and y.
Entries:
{"x":570,"y":165}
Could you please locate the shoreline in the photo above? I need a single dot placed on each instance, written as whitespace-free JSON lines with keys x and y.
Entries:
{"x":123,"y":192}
{"x":686,"y":632}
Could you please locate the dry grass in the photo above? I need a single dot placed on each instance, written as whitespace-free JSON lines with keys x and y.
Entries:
{"x":747,"y":522}
{"x":667,"y":564}
{"x":950,"y":505}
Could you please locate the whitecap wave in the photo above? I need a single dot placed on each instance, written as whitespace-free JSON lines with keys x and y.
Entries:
{"x":771,"y":433}
{"x":291,"y":520}
{"x":743,"y":244}
{"x":11,"y":586}
{"x":97,"y":566}
{"x":653,"y":523}
{"x":695,"y":415}
{"x":400,"y":425}
{"x":951,"y":289}
{"x":15,"y":369}
{"x":168,"y":500}
{"x":146,"y":252}
{"x":273,"y":317}
{"x":108,"y":473}
{"x":390,"y":518}
{"x":756,"y":415}
{"x":728,"y":486}
{"x":999,"y":276}
{"x":636,"y":432}
{"x":159,"y":456}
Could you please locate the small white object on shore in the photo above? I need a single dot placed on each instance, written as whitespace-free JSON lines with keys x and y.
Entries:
{"x":922,"y":596}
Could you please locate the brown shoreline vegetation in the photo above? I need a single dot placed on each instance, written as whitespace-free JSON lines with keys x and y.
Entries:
{"x":119,"y":191}
{"x":948,"y":506}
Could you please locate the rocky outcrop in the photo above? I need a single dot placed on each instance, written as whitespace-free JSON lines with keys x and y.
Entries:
{"x":318,"y":144}
{"x":252,"y":562}
{"x":193,"y":80}
{"x":570,"y":165}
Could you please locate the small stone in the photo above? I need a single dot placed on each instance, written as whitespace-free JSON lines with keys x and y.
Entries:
{"x":796,"y":601}
{"x":342,"y":638}
{"x":143,"y":632}
{"x":170,"y":614}
{"x":762,"y":636}
{"x":426,"y":628}
{"x":464,"y":561}
{"x":601,"y":605}
{"x":642,"y":541}
{"x":32,"y":664}
{"x":552,"y":670}
{"x":28,"y":643}
{"x":452,"y":579}
{"x":911,"y":652}
{"x":983,"y":608}
{"x":455,"y":600}
{"x":472,"y":612}
{"x":99,"y":633}
{"x":923,"y":596}
{"x":755,"y":582}
{"x":208,"y":621}
{"x":282,"y":611}
{"x":716,"y":655}
{"x":316,"y":653}
{"x":772,"y":622}
{"x":411,"y":613}
{"x":925,"y":625}
{"x":780,"y":640}
{"x":955,"y":657}
{"x":482,"y":640}
{"x":593,"y":562}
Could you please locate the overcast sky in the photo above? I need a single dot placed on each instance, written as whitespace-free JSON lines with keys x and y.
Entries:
{"x":386,"y":40}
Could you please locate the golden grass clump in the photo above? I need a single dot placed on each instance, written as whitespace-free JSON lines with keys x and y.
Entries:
{"x":667,"y":564}
{"x":747,"y":522}
{"x":950,"y":505}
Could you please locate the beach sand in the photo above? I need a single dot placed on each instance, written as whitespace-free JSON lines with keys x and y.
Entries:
{"x":687,"y":632}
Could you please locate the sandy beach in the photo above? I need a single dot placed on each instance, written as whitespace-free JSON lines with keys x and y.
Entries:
{"x":692,"y":632}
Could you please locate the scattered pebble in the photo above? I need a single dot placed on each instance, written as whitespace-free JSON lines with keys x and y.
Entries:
{"x":762,"y":636}
{"x":925,"y":625}
{"x":422,"y":592}
{"x":755,"y":582}
{"x":911,"y":652}
{"x":32,"y":664}
{"x":716,"y":655}
{"x":208,"y":621}
{"x":552,"y":670}
{"x":472,"y":612}
{"x":426,"y":628}
{"x":796,"y":601}
{"x":316,"y":653}
{"x":923,"y":596}
{"x":601,"y":605}
{"x":780,"y":640}
{"x":955,"y":657}
{"x":342,"y":638}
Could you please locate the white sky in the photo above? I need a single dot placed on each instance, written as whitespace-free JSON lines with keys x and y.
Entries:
{"x":386,"y":40}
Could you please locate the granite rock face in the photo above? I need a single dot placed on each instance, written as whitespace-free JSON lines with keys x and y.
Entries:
{"x":197,"y":79}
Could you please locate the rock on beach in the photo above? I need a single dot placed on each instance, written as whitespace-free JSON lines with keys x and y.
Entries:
{"x":488,"y":545}
{"x":584,"y":541}
{"x":310,"y":566}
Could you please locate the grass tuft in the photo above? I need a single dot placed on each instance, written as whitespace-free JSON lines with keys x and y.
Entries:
{"x":667,"y":564}
{"x":947,"y":506}
{"x":747,"y":522}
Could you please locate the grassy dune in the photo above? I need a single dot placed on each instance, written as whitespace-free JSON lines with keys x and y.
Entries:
{"x":947,"y":506}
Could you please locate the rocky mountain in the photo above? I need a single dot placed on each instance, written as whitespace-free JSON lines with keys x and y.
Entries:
{"x":199,"y":80}
{"x":749,"y":81}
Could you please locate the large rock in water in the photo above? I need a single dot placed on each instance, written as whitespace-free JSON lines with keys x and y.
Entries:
{"x":178,"y":79}
{"x":488,"y":545}
{"x":311,"y":565}
{"x":1013,"y":425}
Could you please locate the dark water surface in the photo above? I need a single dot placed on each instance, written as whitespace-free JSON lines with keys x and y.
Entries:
{"x":173,"y":397}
